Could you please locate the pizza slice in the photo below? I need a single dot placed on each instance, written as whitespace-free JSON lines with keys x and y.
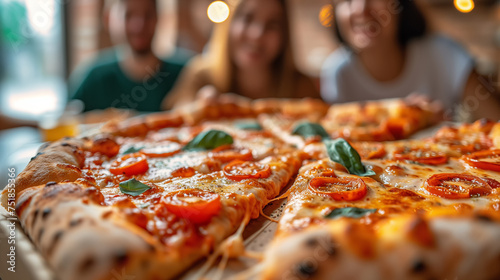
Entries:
{"x":108,"y":204}
{"x":411,"y":218}
{"x":382,"y":120}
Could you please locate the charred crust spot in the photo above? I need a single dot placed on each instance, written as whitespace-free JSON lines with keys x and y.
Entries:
{"x":121,"y":257}
{"x":22,"y":203}
{"x":46,"y":212}
{"x":311,"y":242}
{"x":86,"y":264}
{"x":418,"y":266}
{"x":55,"y":240}
{"x":44,"y":146}
{"x":325,"y":243}
{"x":75,"y":222}
{"x":51,"y":183}
{"x":57,"y":236}
{"x":145,"y":264}
{"x":37,"y":211}
{"x":38,"y":154}
{"x":151,"y":247}
{"x":331,"y":249}
{"x":34,"y":219}
{"x":306,"y":269}
{"x":40,"y":234}
{"x":64,"y":144}
{"x":483,"y":218}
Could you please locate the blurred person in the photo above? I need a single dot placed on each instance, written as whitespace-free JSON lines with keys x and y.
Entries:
{"x":129,"y":75}
{"x":250,"y":54}
{"x":387,"y":52}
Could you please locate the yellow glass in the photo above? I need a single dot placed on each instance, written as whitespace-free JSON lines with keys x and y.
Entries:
{"x":66,"y":126}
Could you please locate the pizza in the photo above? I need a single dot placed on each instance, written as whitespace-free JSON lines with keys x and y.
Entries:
{"x":386,"y":120}
{"x":152,"y":195}
{"x":147,"y":203}
{"x":418,"y":209}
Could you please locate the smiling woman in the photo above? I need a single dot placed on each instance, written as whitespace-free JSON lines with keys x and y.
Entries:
{"x":249,"y":54}
{"x":388,"y":53}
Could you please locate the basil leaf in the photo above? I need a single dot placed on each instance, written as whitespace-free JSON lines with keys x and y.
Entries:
{"x":133,"y":187}
{"x":208,"y":140}
{"x":309,"y":129}
{"x":340,"y":151}
{"x":132,"y":149}
{"x":350,"y":212}
{"x":248,"y":125}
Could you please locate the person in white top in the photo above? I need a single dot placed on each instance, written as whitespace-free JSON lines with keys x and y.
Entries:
{"x":387,"y":52}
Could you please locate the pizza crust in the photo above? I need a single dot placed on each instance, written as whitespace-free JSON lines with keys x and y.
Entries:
{"x":323,"y":253}
{"x":83,"y":240}
{"x":59,"y":161}
{"x":64,"y":214}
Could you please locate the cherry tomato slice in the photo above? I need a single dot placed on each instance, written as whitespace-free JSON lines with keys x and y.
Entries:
{"x":345,"y":188}
{"x":487,"y":160}
{"x":105,"y":146}
{"x":227,"y":153}
{"x":492,"y":182}
{"x":197,"y":206}
{"x":423,"y":156}
{"x":163,"y":150}
{"x":238,"y":170}
{"x":456,"y":186}
{"x":131,"y":164}
{"x":370,"y":150}
{"x":184,"y":172}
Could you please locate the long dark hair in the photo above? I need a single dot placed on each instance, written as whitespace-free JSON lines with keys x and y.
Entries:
{"x":411,"y":23}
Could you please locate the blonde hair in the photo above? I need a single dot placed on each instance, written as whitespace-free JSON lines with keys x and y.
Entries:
{"x":222,"y":68}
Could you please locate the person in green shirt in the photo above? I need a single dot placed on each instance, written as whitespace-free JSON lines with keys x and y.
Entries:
{"x":128,"y":75}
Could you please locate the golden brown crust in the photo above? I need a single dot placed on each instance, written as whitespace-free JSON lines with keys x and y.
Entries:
{"x":327,"y":252}
{"x":82,"y":239}
{"x":59,"y":161}
{"x":310,"y":108}
{"x":111,"y":237}
{"x":382,"y":120}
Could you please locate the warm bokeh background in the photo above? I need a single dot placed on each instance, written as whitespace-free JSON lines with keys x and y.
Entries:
{"x":43,"y":41}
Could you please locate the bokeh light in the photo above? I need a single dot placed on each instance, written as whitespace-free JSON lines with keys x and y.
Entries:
{"x":218,"y":11}
{"x":464,"y":6}
{"x":326,"y":15}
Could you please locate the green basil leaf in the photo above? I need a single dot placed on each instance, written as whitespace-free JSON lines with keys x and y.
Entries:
{"x":350,"y":212}
{"x":309,"y":129}
{"x":133,"y":187}
{"x":248,"y":125}
{"x":340,"y":151}
{"x":208,"y":140}
{"x":132,"y":149}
